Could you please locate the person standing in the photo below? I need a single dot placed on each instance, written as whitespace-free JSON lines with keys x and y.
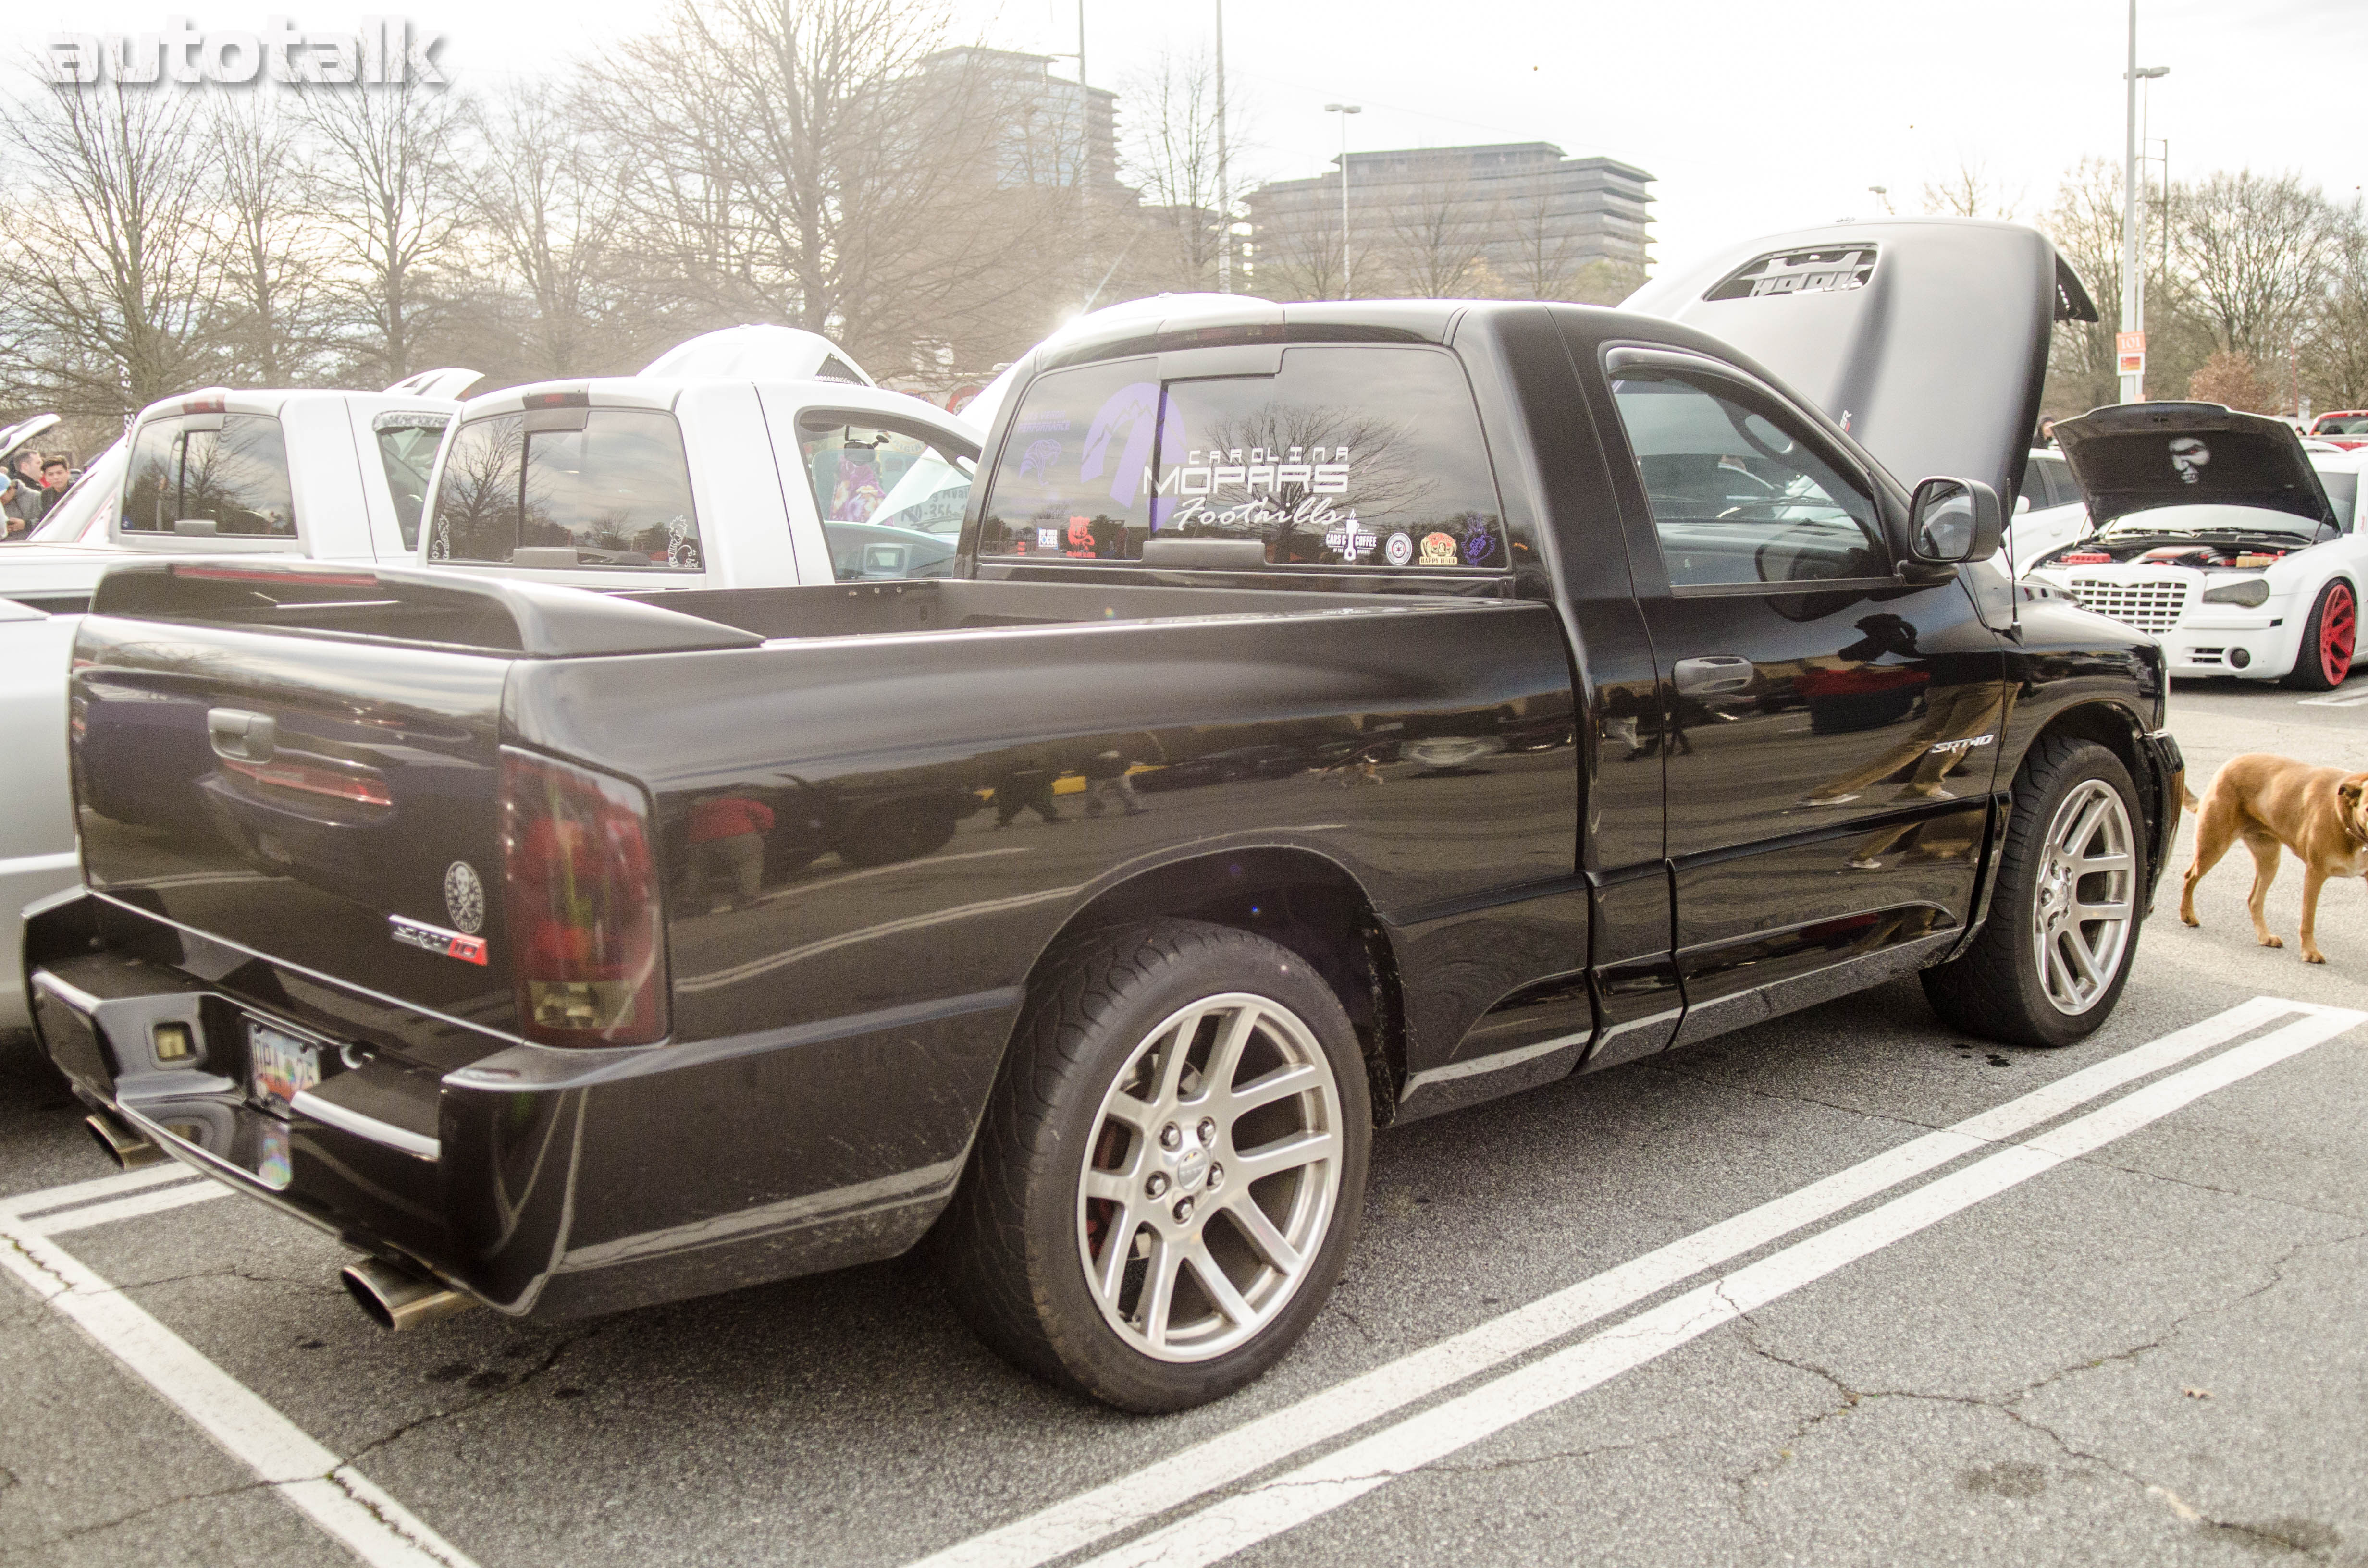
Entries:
{"x":23,"y":502}
{"x":57,"y":476}
{"x":727,"y":845}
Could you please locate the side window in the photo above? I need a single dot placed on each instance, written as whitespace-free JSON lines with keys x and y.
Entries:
{"x":1738,"y":494}
{"x":1346,"y":457}
{"x":407,"y":453}
{"x":152,"y":485}
{"x":235,"y":477}
{"x":477,"y":502}
{"x":617,"y":493}
{"x":1074,"y":476}
{"x":892,"y":501}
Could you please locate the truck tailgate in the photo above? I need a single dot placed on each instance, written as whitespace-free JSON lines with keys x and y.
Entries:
{"x":306,"y":763}
{"x":329,"y":805}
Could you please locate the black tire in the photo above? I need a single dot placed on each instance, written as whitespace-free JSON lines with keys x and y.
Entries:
{"x":2310,"y":671}
{"x":1995,"y":988}
{"x":1009,"y":1241}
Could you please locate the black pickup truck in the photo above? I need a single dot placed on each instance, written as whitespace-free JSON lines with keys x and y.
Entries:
{"x":1339,"y":714}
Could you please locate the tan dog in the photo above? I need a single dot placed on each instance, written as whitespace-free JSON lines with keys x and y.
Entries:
{"x":2268,"y":801}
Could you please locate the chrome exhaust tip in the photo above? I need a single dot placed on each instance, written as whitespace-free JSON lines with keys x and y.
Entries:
{"x":396,"y":1298}
{"x":125,"y":1147}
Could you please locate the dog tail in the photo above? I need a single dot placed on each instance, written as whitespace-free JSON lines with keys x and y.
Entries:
{"x":2188,"y":795}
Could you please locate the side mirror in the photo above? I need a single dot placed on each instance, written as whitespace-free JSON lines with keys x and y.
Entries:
{"x":2022,"y":505}
{"x":1955,"y":520}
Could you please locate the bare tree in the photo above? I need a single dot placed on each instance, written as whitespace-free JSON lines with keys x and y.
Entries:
{"x":2086,"y":224}
{"x":2256,"y":254}
{"x":270,"y":261}
{"x":113,"y":307}
{"x":2335,"y":353}
{"x":1546,"y":259}
{"x":846,"y":175}
{"x":1300,"y":259}
{"x":388,"y":192}
{"x":1437,"y":240}
{"x":2233,"y":380}
{"x":1171,"y":154}
{"x":546,"y":203}
{"x":1969,"y":192}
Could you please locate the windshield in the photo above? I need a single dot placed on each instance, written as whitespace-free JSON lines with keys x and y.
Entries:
{"x":2342,"y":425}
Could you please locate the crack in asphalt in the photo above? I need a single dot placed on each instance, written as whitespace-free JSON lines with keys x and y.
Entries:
{"x":99,"y":1527}
{"x":342,"y":1479}
{"x":2283,"y":1534}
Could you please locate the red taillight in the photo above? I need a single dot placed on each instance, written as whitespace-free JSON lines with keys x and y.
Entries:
{"x":587,"y":948}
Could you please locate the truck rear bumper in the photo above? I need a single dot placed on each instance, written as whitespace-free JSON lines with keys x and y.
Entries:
{"x":601,"y":1181}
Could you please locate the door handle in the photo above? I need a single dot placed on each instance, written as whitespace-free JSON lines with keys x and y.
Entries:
{"x":1713,"y":675}
{"x":242,"y":736}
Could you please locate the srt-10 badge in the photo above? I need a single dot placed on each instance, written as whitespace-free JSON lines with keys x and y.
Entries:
{"x":436,"y":940}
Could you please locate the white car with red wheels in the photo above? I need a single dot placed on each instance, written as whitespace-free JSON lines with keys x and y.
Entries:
{"x":2217,"y":533}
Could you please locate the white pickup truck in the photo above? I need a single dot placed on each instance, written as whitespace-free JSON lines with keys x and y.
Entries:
{"x":216,"y":474}
{"x":751,"y":458}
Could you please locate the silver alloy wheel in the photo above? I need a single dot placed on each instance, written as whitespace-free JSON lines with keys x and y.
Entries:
{"x":2087,"y":884}
{"x":1211,"y":1178}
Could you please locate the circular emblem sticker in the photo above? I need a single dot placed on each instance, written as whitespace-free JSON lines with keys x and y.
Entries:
{"x":464,"y":897}
{"x":1400,"y":550}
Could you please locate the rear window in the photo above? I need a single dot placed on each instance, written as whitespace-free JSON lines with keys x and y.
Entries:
{"x":210,"y":475}
{"x":2342,"y":425}
{"x":1350,"y":456}
{"x":616,"y":493}
{"x":407,"y":453}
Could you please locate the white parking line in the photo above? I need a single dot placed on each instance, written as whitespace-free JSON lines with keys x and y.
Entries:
{"x":1270,"y":1509}
{"x":50,"y":1198}
{"x":1136,"y":1498}
{"x":155,"y":1200}
{"x":334,"y":1495}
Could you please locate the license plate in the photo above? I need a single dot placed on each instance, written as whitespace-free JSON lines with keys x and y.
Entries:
{"x":280,"y":1066}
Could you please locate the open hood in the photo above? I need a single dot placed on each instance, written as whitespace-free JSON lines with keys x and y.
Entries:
{"x":15,"y":438}
{"x":2135,"y":457}
{"x":1924,"y":337}
{"x":758,"y":352}
{"x":450,"y":382}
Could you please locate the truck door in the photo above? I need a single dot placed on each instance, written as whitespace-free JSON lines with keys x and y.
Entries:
{"x":1827,"y":734}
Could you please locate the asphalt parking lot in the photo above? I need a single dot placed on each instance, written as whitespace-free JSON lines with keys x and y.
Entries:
{"x":1845,"y":1288}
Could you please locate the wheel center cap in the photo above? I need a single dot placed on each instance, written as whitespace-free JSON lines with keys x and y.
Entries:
{"x":1191,"y":1168}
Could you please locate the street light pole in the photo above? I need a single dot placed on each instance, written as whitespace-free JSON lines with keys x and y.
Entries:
{"x":2133,"y":381}
{"x":2146,"y":111}
{"x":1225,"y":208}
{"x":1348,"y":267}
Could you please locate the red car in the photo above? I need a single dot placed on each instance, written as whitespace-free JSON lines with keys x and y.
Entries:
{"x":2345,"y":428}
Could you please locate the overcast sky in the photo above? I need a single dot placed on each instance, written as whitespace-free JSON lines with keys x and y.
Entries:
{"x":1752,"y":116}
